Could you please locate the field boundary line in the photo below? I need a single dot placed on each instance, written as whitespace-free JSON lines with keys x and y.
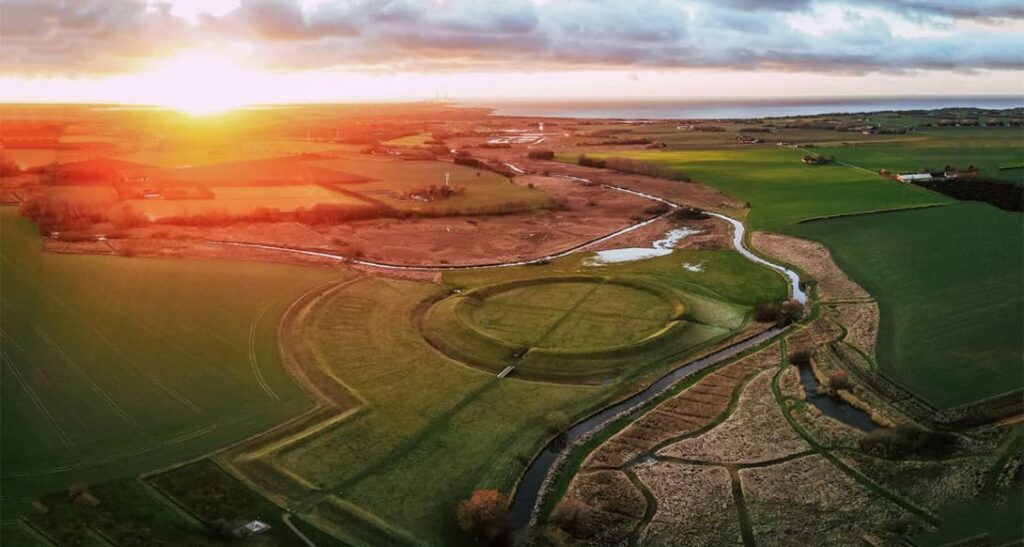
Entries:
{"x":843,"y":163}
{"x":286,"y":518}
{"x":368,"y":519}
{"x":872,"y":212}
{"x":164,"y":498}
{"x":109,"y":458}
{"x":35,"y":531}
{"x":313,"y":429}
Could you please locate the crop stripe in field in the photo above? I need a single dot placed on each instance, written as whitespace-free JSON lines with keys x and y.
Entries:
{"x":38,"y":402}
{"x":124,"y":454}
{"x":253,"y":360}
{"x":135,"y":365}
{"x":131,"y":362}
{"x":10,"y":339}
{"x":149,"y":374}
{"x":116,"y":408}
{"x":156,"y":334}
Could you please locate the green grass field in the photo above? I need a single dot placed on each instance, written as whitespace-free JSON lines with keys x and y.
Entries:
{"x":934,"y":148}
{"x":114,"y":366}
{"x":419,"y":139}
{"x":780,"y":189}
{"x":948,"y":283}
{"x":584,"y":314}
{"x":725,"y":275}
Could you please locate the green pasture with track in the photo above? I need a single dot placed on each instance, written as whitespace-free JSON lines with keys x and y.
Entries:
{"x":947,"y":280}
{"x":113,"y":366}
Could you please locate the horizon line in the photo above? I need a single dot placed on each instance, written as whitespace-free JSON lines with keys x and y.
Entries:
{"x":576,"y":99}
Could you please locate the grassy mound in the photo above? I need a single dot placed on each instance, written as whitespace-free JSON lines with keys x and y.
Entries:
{"x":573,"y":328}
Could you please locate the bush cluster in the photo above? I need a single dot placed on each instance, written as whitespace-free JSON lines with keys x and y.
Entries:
{"x":541,"y":154}
{"x":906,"y":441}
{"x":1004,"y":195}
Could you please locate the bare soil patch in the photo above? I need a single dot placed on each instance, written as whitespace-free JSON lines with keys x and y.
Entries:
{"x":814,"y":259}
{"x":695,"y":505}
{"x":757,"y":431}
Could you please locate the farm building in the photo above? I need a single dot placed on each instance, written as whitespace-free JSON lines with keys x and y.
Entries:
{"x":913,"y":177}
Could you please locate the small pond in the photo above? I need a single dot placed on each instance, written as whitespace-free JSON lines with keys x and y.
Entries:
{"x":833,"y":407}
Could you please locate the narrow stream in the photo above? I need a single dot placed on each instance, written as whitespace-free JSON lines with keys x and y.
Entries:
{"x":738,"y":232}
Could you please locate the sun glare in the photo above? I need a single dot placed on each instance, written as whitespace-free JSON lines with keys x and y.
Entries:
{"x":203,"y":82}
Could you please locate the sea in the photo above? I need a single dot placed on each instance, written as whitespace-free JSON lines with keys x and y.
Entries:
{"x":726,"y":108}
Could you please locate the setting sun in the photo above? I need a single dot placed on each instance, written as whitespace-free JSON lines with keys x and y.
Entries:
{"x":198,"y":82}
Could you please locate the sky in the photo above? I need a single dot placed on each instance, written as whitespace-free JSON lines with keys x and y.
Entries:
{"x":223,"y":53}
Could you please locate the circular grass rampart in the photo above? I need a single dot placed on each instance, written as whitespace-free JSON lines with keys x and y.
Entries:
{"x":576,"y":329}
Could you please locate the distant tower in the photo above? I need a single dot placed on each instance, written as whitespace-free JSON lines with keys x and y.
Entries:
{"x":447,"y":179}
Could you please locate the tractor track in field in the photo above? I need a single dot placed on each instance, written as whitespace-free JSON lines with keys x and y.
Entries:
{"x":254,"y":361}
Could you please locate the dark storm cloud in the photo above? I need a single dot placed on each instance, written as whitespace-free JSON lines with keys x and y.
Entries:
{"x":89,"y":36}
